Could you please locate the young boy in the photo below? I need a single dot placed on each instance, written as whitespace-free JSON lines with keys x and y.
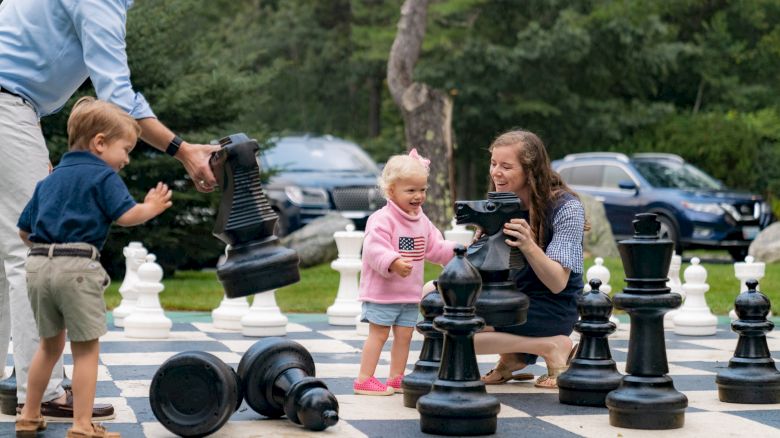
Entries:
{"x":65,"y":224}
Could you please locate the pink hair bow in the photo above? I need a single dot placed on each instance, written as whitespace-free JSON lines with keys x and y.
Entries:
{"x":426,"y":162}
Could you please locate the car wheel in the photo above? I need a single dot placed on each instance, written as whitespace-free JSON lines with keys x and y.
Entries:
{"x":669,"y":231}
{"x":738,"y":254}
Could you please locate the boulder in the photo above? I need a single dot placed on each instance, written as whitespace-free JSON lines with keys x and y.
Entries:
{"x":599,"y":240}
{"x":766,"y":247}
{"x":314,"y":242}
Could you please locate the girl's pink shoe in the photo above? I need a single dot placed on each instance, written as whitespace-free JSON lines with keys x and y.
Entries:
{"x":371,"y":386}
{"x":395,"y":383}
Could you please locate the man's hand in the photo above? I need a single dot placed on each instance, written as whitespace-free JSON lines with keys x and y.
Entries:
{"x":195,"y":159}
{"x":401,"y":266}
{"x":159,"y":198}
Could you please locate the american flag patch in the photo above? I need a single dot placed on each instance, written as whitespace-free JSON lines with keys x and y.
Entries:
{"x":412,"y":247}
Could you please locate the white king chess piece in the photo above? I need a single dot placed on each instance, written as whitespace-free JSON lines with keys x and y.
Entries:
{"x":602,"y":273}
{"x":744,"y":271}
{"x":148,"y":319}
{"x":459,"y":234}
{"x":676,"y":286}
{"x":135,"y":255}
{"x":695,"y":317}
{"x":346,"y":307}
{"x":264,"y":317}
{"x":230,"y":311}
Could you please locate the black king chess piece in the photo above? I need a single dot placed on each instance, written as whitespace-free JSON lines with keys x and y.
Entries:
{"x":458,"y":403}
{"x":646,"y":398}
{"x":255,"y":260}
{"x":500,"y":303}
{"x":419,"y":381}
{"x":751,"y":376}
{"x":592,"y":373}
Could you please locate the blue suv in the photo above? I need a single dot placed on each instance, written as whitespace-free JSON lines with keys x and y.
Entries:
{"x":312,"y":176}
{"x":695,"y":210}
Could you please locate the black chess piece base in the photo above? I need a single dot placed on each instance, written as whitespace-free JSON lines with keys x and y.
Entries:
{"x":752,"y":381}
{"x":8,"y":399}
{"x":588,"y":382}
{"x":258,"y":266}
{"x":646,"y":403}
{"x":501,"y":304}
{"x":475,"y":413}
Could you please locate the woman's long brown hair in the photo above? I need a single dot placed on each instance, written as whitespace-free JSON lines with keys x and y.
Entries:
{"x":544,"y":184}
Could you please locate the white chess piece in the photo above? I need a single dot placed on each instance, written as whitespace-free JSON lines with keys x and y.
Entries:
{"x":264,"y":317}
{"x":695,"y":317}
{"x":459,"y":234}
{"x":346,"y":306}
{"x":135,"y":255}
{"x":744,"y":271}
{"x":148,"y":319}
{"x":676,"y":286}
{"x":228,"y":314}
{"x":602,"y":273}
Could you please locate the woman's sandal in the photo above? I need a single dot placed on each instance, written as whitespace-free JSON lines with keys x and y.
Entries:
{"x":502,"y":374}
{"x":29,"y":428}
{"x":550,"y":380}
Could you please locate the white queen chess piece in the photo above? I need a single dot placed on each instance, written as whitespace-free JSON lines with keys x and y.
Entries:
{"x":264,"y":317}
{"x":744,"y":271}
{"x":676,"y":286}
{"x":346,"y":306}
{"x":598,"y":270}
{"x":148,"y":319}
{"x":135,"y":255}
{"x":459,"y":234}
{"x":695,"y":317}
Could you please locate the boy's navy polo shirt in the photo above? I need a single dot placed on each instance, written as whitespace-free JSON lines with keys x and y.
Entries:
{"x":77,"y":202}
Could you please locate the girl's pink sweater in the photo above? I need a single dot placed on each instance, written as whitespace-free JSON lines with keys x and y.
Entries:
{"x":391,"y":233}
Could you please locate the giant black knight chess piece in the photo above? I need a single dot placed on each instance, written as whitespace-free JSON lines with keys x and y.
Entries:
{"x":752,"y":376}
{"x":592,"y":373}
{"x":458,"y":403}
{"x":646,"y":398}
{"x":278,"y":378}
{"x":419,"y":381}
{"x":255,"y":260}
{"x":8,"y":399}
{"x":500,"y":303}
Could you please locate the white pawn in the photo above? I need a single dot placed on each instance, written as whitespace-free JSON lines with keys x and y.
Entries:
{"x":264,"y":317}
{"x":346,"y":307}
{"x":602,"y":273}
{"x":695,"y":317}
{"x":228,"y":314}
{"x":744,"y":271}
{"x":459,"y":234}
{"x":148,"y":319}
{"x":676,"y":286}
{"x":135,"y":255}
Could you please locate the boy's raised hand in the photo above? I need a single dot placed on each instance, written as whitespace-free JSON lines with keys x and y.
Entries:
{"x":401,"y":266}
{"x":159,"y":198}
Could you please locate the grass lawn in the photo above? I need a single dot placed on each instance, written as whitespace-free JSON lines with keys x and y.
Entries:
{"x":191,"y":290}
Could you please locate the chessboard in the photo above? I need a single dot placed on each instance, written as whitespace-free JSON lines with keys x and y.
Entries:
{"x":127,"y":367}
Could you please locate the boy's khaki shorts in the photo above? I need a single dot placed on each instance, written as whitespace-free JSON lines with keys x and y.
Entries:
{"x":67,"y":293}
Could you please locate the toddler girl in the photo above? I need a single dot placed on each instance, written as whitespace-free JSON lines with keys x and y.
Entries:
{"x":399,"y":238}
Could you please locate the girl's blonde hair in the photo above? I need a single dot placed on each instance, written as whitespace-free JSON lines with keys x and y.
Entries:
{"x":400,"y":167}
{"x":90,"y":117}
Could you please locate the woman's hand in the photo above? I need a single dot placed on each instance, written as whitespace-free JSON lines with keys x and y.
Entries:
{"x":524,"y":238}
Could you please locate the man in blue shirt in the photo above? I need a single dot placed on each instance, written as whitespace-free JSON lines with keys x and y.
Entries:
{"x":48,"y":48}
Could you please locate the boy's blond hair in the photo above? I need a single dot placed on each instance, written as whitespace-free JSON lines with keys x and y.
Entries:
{"x":91,"y":117}
{"x":400,"y":167}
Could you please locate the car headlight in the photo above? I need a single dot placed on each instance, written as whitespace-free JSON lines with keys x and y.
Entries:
{"x":704,"y":207}
{"x":306,"y":195}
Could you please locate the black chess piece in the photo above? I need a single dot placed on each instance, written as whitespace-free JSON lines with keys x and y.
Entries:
{"x":419,"y":381}
{"x":458,"y":403}
{"x":592,"y":373}
{"x":751,"y":376}
{"x":646,"y":398}
{"x":8,"y":399}
{"x":66,"y":382}
{"x":278,"y":379}
{"x":194,"y":393}
{"x":255,"y":260}
{"x":500,"y":303}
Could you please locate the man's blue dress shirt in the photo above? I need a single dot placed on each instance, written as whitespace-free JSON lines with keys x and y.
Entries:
{"x":48,"y":48}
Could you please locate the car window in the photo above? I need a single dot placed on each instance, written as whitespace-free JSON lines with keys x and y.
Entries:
{"x":613,"y":175}
{"x":671,"y":174}
{"x":318,"y":156}
{"x":587,"y":175}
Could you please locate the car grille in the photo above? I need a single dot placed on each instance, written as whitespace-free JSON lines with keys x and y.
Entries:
{"x":746,"y":211}
{"x":364,"y":198}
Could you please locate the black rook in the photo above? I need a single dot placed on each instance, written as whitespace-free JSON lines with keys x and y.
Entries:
{"x":646,"y":398}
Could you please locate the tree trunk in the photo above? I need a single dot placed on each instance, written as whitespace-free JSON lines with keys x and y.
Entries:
{"x":427,"y":112}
